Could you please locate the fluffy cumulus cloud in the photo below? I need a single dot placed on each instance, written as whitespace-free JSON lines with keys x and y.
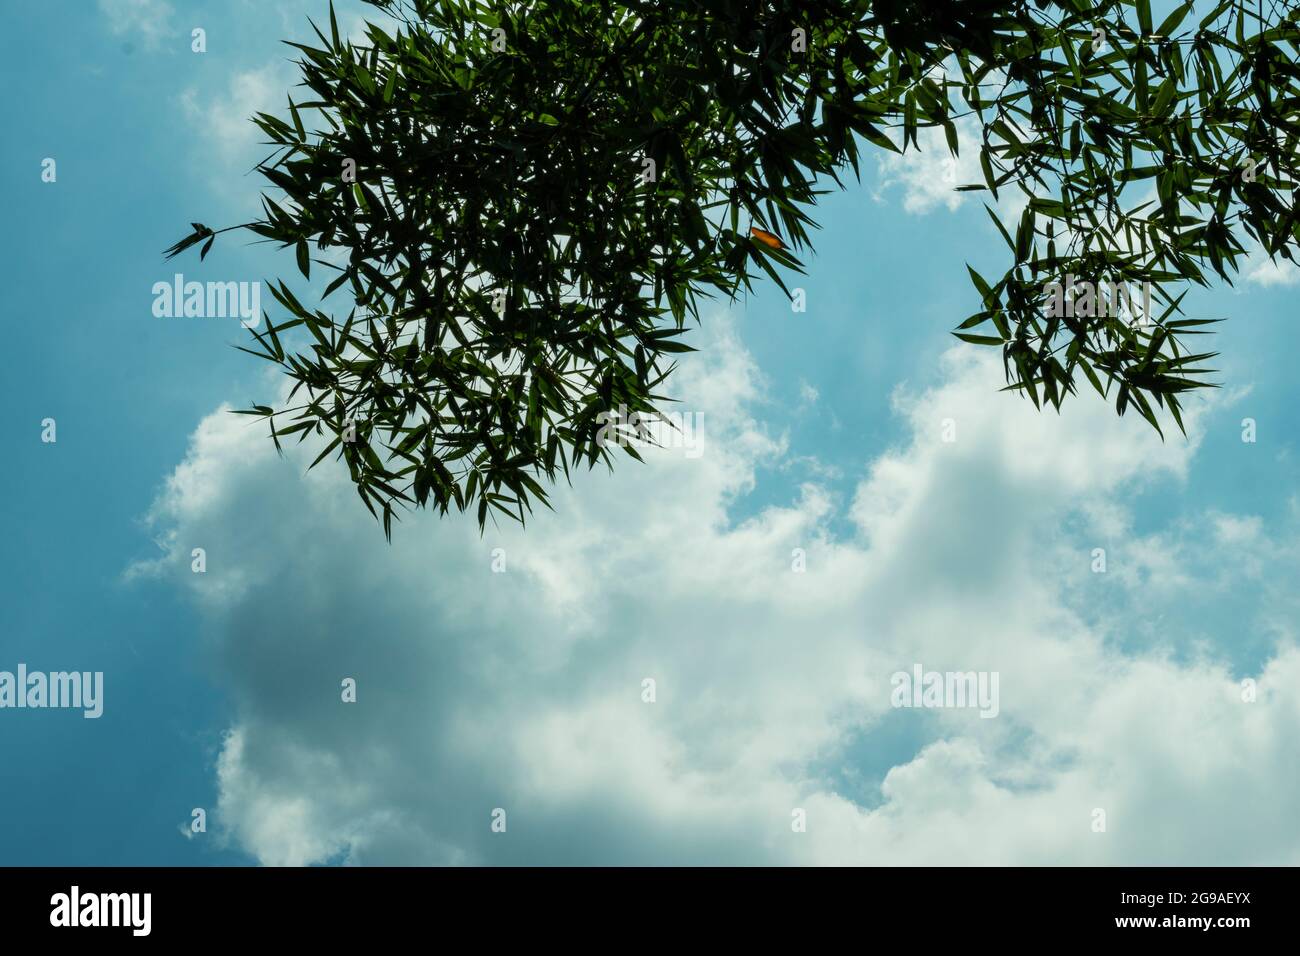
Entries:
{"x":150,"y":20}
{"x":523,"y":689}
{"x":227,"y":138}
{"x":226,"y":142}
{"x":929,"y":174}
{"x":1260,"y":269}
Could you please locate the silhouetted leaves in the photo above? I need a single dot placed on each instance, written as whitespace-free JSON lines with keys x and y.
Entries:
{"x":544,"y":192}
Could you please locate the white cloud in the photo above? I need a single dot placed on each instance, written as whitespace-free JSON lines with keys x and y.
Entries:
{"x":522,"y":690}
{"x":808,"y":395}
{"x":929,"y":174}
{"x":228,"y":144}
{"x":1260,"y":269}
{"x":227,"y":140}
{"x":150,"y":20}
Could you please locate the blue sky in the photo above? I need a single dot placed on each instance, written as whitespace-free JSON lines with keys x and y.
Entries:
{"x":522,"y":690}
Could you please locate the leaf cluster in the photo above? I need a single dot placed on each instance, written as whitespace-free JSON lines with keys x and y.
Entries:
{"x":520,"y":208}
